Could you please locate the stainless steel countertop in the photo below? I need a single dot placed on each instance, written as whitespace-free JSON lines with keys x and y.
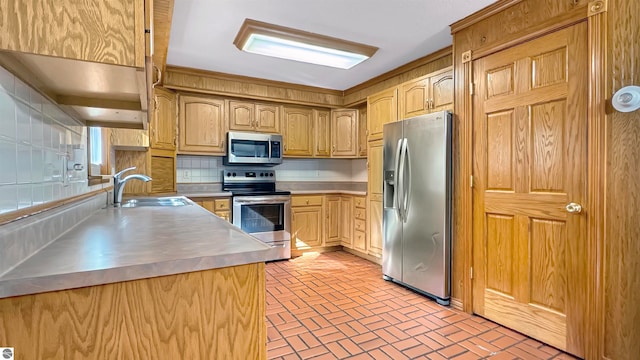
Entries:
{"x":121,"y":244}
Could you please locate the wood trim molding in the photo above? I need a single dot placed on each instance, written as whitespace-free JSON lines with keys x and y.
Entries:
{"x":400,"y":70}
{"x":551,"y":25}
{"x":596,"y":173}
{"x":465,"y":187}
{"x":597,"y":7}
{"x":162,"y":15}
{"x":209,"y":82}
{"x":480,"y":15}
{"x":37,"y":209}
{"x":247,"y":79}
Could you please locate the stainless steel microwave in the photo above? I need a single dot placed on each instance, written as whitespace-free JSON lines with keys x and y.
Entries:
{"x":253,"y":148}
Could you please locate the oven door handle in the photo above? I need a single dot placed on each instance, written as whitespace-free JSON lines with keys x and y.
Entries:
{"x":256,"y":200}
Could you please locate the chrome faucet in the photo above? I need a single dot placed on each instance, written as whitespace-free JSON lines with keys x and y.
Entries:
{"x":118,"y":184}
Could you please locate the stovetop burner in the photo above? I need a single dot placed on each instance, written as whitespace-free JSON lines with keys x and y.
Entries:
{"x":251,"y":182}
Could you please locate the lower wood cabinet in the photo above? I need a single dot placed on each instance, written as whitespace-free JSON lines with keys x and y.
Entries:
{"x":163,"y":171}
{"x":360,"y":226}
{"x":307,"y":221}
{"x":218,"y":206}
{"x":346,"y":220}
{"x":328,"y":220}
{"x":375,"y":226}
{"x":210,"y":314}
{"x":332,"y":220}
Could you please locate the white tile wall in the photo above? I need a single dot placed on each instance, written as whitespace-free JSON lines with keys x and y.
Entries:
{"x":203,"y":169}
{"x":35,"y":135}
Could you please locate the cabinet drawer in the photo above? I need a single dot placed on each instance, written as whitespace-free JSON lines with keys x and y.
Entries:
{"x":306,"y":200}
{"x":360,"y":214}
{"x":360,"y":225}
{"x":359,"y":202}
{"x":221,"y":204}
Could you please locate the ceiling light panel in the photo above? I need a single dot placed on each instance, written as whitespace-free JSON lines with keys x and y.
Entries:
{"x":292,"y":44}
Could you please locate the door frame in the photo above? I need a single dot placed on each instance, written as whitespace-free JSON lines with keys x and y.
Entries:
{"x":596,"y":18}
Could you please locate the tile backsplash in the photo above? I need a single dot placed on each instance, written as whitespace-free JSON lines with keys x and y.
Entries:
{"x":204,"y":169}
{"x":37,"y":139}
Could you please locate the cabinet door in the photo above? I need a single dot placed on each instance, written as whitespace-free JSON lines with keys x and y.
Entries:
{"x":322,"y":119}
{"x":374,"y":213}
{"x":241,"y":116}
{"x":332,"y":220}
{"x":442,"y":91}
{"x":362,"y":133}
{"x":344,"y":133}
{"x":414,"y":98}
{"x":382,"y":108}
{"x":306,"y":225}
{"x":163,"y":173}
{"x":375,"y":226}
{"x":347,"y":219}
{"x":202,"y":125}
{"x":163,"y":120}
{"x":298,"y":132}
{"x":374,"y":167}
{"x":268,"y":118}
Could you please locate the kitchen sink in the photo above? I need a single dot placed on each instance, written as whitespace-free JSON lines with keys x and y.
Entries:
{"x":160,"y":201}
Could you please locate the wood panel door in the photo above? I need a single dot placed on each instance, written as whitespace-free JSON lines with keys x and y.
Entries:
{"x":362,"y":133}
{"x":382,"y":108}
{"x":415,"y":98}
{"x":344,"y":133}
{"x":332,"y":220}
{"x":374,"y":191}
{"x":298,"y":131}
{"x":202,"y":125}
{"x":322,"y":119}
{"x":307,"y":222}
{"x":530,"y":153}
{"x":346,"y":221}
{"x":441,"y":91}
{"x":268,"y":118}
{"x":164,"y":122}
{"x":241,"y":115}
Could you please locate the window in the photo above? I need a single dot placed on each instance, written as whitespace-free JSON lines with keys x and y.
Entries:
{"x":99,"y":152}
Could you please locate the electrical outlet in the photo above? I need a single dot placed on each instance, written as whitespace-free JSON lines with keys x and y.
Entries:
{"x":186,"y":175}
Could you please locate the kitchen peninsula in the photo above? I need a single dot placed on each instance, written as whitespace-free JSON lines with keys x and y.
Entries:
{"x":142,"y":282}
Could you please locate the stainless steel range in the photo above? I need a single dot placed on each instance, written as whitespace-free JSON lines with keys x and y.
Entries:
{"x":259,"y":209}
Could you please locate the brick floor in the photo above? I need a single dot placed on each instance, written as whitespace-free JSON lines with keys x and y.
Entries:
{"x":336,"y":306}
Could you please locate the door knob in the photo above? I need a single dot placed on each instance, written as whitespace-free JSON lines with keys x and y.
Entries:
{"x":574,"y":208}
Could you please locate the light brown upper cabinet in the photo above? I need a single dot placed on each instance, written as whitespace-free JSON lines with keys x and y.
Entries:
{"x":344,"y":133}
{"x":382,"y":108}
{"x":297,"y":126}
{"x":426,"y":94}
{"x":72,"y":41}
{"x":322,"y":119}
{"x":201,"y":125}
{"x":249,"y":116}
{"x":163,"y":120}
{"x":362,"y":132}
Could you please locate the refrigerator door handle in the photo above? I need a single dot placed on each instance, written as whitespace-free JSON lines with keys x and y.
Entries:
{"x":406,"y":186}
{"x":400,"y":180}
{"x":397,"y":182}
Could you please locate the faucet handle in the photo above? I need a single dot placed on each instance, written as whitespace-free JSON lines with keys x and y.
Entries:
{"x":118,"y":174}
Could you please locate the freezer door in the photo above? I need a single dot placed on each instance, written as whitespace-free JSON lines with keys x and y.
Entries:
{"x":391,"y":222}
{"x":426,"y":231}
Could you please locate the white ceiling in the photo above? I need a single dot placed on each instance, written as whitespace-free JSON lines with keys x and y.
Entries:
{"x":202,"y":34}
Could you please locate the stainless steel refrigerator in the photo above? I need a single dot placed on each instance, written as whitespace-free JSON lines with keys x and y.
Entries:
{"x":417,"y":198}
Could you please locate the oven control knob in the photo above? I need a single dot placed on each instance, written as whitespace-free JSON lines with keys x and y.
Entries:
{"x":228,"y":174}
{"x":234,"y":174}
{"x":271,"y":174}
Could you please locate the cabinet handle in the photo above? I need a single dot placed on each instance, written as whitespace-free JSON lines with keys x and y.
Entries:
{"x":307,"y":202}
{"x":285,"y":147}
